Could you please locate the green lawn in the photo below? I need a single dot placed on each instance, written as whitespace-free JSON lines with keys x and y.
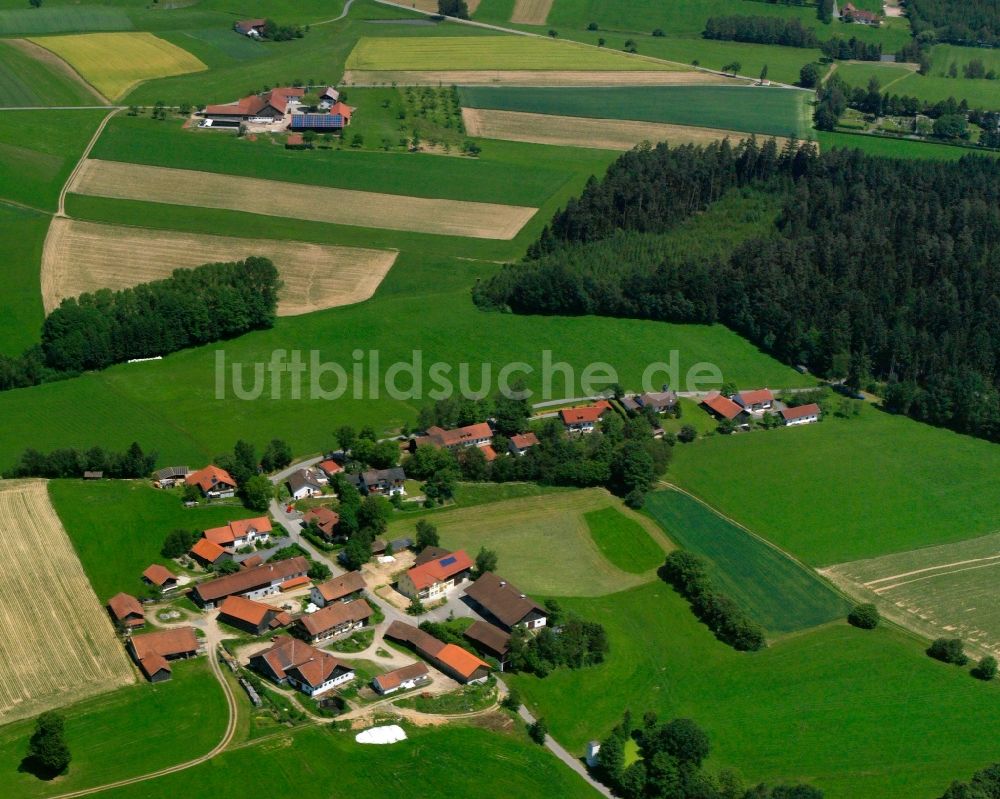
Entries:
{"x":845,"y":490}
{"x":22,"y":234}
{"x":487,"y":53}
{"x":311,"y":762}
{"x":125,"y":733}
{"x":38,"y":150}
{"x":623,"y":541}
{"x":893,"y":148}
{"x":780,"y":594}
{"x":118,"y":526}
{"x":26,"y":81}
{"x":859,"y":714}
{"x":544,"y":544}
{"x":771,"y":111}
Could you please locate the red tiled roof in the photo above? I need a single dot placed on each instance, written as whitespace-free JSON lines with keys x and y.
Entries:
{"x":746,"y":398}
{"x":343,"y":109}
{"x":123,"y":605}
{"x":489,"y":452}
{"x":460,"y":661}
{"x":243,"y":609}
{"x":440,"y":437}
{"x":588,"y":413}
{"x":207,"y":550}
{"x":424,"y":643}
{"x":326,"y":519}
{"x":439,"y":570}
{"x":721,"y":405}
{"x":247,"y":580}
{"x":251,"y":562}
{"x":313,"y":665}
{"x":393,"y":679}
{"x":238,"y":529}
{"x":524,"y":440}
{"x":295,"y":582}
{"x":153,"y":663}
{"x":331,"y":467}
{"x":335,"y":615}
{"x":207,"y":478}
{"x":158,"y":575}
{"x":342,"y":586}
{"x":294,"y":138}
{"x":175,"y":641}
{"x":802,"y":410}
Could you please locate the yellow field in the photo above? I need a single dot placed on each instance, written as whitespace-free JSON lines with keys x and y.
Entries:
{"x":82,"y":256}
{"x":605,"y":134}
{"x":57,"y":644}
{"x":431,"y":6}
{"x":491,"y":53}
{"x":113,"y":63}
{"x":531,"y":12}
{"x":299,"y":201}
{"x":526,"y":77}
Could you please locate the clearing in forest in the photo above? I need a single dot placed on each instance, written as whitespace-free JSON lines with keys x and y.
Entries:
{"x":57,"y":644}
{"x":83,"y":257}
{"x":298,"y":201}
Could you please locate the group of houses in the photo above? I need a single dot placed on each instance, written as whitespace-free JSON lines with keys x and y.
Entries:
{"x":283,"y":108}
{"x":745,"y":406}
{"x":211,"y":481}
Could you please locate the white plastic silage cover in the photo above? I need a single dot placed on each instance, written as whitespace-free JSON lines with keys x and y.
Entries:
{"x":381,"y":735}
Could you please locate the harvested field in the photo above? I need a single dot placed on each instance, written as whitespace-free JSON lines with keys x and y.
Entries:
{"x":298,"y":201}
{"x":526,"y":77}
{"x":114,"y":63}
{"x":947,"y":590}
{"x":431,"y":6}
{"x":57,"y":644}
{"x":531,"y":12}
{"x":83,"y":256}
{"x":605,"y":134}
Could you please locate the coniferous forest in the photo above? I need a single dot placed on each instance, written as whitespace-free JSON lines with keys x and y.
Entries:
{"x":882,"y":272}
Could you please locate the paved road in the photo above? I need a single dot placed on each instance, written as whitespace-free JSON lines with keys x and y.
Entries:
{"x":554,"y":746}
{"x":347,"y":8}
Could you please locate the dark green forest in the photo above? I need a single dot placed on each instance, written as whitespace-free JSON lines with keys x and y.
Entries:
{"x":958,"y":21}
{"x":882,"y":272}
{"x":760,"y":30}
{"x":192,"y":307}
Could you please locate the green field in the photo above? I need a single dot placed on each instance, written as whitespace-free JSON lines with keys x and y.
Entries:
{"x":545,"y":544}
{"x":623,"y":541}
{"x":850,"y":489}
{"x":901,"y":80}
{"x":62,"y":19}
{"x":26,"y":81}
{"x":857,"y":713}
{"x":311,"y":762}
{"x":125,"y":733}
{"x":489,"y":52}
{"x":38,"y":150}
{"x":22,"y":234}
{"x":944,"y":55}
{"x":771,"y":111}
{"x":780,"y":594}
{"x":117,"y":527}
{"x":893,"y":148}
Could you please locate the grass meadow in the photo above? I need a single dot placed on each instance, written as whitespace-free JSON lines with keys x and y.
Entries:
{"x":901,"y":80}
{"x":780,"y":594}
{"x":856,"y":713}
{"x":777,"y":112}
{"x":488,"y":52}
{"x":36,"y":166}
{"x":849,"y":489}
{"x":62,"y":19}
{"x":156,"y":725}
{"x":118,"y":526}
{"x":115,"y":62}
{"x":22,"y":234}
{"x":623,"y":541}
{"x":308,"y":762}
{"x":545,"y":544}
{"x":27,"y":81}
{"x":893,"y":148}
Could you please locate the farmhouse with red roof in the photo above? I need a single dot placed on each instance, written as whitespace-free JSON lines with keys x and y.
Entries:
{"x":584,"y":419}
{"x":435,"y":577}
{"x":803,"y":414}
{"x":296,"y":663}
{"x":722,"y":407}
{"x":214,"y":483}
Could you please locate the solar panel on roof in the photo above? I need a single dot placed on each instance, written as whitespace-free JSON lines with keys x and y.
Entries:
{"x":317,"y":121}
{"x":448,"y":560}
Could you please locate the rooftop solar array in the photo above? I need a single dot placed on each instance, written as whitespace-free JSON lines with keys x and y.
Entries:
{"x":317,"y":121}
{"x":448,"y":560}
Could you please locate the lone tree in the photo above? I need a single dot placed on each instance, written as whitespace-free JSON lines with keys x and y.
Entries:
{"x":48,"y":753}
{"x":453,"y":8}
{"x":865,"y":616}
{"x":537,"y":731}
{"x":948,"y":650}
{"x":486,"y":561}
{"x":427,"y":535}
{"x":985,"y":669}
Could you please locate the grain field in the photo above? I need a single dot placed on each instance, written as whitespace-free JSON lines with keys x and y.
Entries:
{"x":532,"y":77}
{"x":531,"y":12}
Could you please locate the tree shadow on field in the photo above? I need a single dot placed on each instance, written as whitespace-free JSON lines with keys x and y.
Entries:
{"x":30,"y":765}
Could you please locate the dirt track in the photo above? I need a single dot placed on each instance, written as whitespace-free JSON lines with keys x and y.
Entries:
{"x":535,"y":77}
{"x":83,"y":257}
{"x":300,"y":201}
{"x":608,"y":134}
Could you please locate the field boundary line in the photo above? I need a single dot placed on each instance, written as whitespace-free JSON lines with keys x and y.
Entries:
{"x":227,"y":737}
{"x":884,"y":588}
{"x":61,"y":209}
{"x":70,"y":67}
{"x":929,"y":569}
